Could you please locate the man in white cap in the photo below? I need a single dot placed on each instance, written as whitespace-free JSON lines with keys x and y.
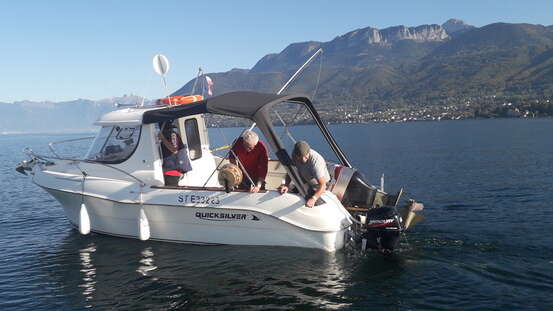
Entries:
{"x":312,"y":168}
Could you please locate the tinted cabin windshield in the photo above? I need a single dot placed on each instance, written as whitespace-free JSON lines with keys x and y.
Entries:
{"x":114,"y":144}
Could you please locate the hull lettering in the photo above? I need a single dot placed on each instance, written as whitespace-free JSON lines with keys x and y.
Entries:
{"x":212,"y":216}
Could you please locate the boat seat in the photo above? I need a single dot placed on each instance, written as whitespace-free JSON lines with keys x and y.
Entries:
{"x":340,"y":177}
{"x":276,"y":173}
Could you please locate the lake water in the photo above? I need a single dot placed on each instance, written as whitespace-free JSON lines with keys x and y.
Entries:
{"x":486,"y":243}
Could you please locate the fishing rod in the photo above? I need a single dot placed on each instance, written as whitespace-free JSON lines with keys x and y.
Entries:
{"x":200,"y":73}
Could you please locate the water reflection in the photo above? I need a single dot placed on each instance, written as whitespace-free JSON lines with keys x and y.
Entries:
{"x":121,"y":273}
{"x":332,"y":283}
{"x":147,"y":262}
{"x":88,"y":271}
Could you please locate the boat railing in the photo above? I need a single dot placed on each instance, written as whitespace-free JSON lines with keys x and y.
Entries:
{"x":48,"y":159}
{"x":52,"y":144}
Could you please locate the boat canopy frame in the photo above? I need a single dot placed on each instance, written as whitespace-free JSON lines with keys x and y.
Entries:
{"x":256,"y":107}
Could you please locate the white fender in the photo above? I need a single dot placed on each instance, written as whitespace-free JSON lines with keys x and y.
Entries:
{"x":84,"y":220}
{"x":143,"y":226}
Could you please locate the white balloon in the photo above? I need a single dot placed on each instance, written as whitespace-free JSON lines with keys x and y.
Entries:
{"x":161,"y":64}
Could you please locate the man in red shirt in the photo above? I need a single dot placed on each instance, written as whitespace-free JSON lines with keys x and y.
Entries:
{"x":254,"y":157}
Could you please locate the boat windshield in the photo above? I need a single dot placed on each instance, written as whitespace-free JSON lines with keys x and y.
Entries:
{"x":293,"y":122}
{"x":114,"y":144}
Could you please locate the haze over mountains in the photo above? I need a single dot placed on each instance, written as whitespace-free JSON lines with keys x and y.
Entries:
{"x":57,"y":117}
{"x":376,"y":68}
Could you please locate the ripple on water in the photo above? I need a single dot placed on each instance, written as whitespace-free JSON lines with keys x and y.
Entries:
{"x":483,"y":246}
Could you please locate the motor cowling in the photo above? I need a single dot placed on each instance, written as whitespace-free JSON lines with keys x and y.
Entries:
{"x":381,"y":229}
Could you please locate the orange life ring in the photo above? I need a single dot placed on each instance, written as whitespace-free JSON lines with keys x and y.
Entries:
{"x":179,"y":100}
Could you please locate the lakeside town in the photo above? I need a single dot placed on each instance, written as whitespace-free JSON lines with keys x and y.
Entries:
{"x":429,"y":113}
{"x":332,"y":111}
{"x":468,"y":109}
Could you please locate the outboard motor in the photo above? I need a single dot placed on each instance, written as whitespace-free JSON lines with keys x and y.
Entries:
{"x":381,"y":229}
{"x":381,"y":220}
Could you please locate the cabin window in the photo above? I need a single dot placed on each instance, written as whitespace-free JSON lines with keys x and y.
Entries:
{"x":114,"y":144}
{"x":193,"y":139}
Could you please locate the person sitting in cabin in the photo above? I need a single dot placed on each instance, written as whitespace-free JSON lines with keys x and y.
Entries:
{"x":176,"y":161}
{"x":312,"y":169}
{"x":253,"y":159}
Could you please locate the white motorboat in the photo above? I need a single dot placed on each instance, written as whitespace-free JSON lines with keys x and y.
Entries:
{"x":119,"y":187}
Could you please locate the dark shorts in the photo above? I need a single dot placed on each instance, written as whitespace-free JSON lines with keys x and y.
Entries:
{"x":171,"y":180}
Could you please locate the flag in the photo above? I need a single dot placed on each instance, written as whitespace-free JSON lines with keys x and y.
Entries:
{"x":209,"y":85}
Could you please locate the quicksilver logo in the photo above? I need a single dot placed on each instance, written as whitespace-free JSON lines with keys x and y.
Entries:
{"x":221,"y":216}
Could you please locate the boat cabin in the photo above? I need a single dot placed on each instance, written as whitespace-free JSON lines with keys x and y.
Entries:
{"x":129,"y":138}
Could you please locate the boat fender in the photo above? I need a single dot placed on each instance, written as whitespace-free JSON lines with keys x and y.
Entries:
{"x":84,"y":220}
{"x":144,"y":226}
{"x":230,"y":176}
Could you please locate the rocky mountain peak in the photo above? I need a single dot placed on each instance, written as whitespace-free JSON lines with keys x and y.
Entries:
{"x":354,"y":46}
{"x":454,"y":26}
{"x":419,"y":33}
{"x":392,"y":34}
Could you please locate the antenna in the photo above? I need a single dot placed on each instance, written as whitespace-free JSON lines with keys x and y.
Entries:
{"x":200,"y":72}
{"x":300,"y":70}
{"x":319,"y":51}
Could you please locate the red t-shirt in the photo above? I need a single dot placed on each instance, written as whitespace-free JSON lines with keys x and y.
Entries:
{"x":255,"y":161}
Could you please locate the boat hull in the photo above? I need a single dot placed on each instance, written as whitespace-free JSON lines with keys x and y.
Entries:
{"x":196,"y":224}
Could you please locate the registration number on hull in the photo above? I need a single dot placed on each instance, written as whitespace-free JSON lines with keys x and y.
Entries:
{"x":198,"y":199}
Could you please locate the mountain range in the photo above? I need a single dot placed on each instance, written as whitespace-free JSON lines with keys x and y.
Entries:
{"x":395,"y":67}
{"x":400,"y":66}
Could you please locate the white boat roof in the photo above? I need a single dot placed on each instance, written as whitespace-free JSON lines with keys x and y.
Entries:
{"x":239,"y":104}
{"x":126,"y":116}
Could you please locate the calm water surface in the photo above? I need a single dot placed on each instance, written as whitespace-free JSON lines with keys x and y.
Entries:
{"x":486,"y":244}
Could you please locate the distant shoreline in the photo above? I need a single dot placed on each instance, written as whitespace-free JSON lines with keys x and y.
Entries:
{"x":60,"y":132}
{"x":94,"y":131}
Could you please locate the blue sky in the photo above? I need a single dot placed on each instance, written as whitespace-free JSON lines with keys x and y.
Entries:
{"x":64,"y":50}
